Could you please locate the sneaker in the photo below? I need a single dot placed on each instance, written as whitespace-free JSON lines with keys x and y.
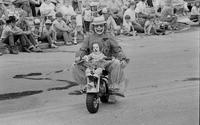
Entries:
{"x":112,"y":99}
{"x":13,"y":50}
{"x":1,"y":54}
{"x":53,"y":46}
{"x":75,"y":42}
{"x":68,"y":43}
{"x":36,"y":49}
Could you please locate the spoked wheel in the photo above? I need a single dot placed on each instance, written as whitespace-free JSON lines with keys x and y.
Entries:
{"x":92,"y":103}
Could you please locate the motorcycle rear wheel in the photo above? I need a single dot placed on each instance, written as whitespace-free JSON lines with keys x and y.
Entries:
{"x":92,"y":103}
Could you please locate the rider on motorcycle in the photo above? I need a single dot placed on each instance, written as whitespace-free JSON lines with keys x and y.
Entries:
{"x":110,"y":48}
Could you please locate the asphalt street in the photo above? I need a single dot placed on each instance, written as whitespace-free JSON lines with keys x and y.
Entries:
{"x":163,"y":85}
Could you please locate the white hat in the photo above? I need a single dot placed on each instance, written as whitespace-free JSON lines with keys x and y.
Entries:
{"x":104,"y":10}
{"x":48,"y":22}
{"x":36,"y":21}
{"x":98,"y":20}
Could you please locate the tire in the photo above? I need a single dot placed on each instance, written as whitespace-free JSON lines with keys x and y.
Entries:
{"x":92,"y":103}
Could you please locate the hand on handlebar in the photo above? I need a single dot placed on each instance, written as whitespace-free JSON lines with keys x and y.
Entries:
{"x":85,"y":58}
{"x":123,"y":63}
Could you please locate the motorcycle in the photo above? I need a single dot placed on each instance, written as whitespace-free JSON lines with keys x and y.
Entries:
{"x":97,"y":88}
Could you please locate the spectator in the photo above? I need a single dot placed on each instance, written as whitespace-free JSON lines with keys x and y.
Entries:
{"x":78,"y":30}
{"x":23,"y":24}
{"x":47,"y":9}
{"x":2,"y":8}
{"x":62,"y":29}
{"x":75,"y":4}
{"x":195,"y":12}
{"x":167,"y":14}
{"x":9,"y":8}
{"x":33,"y":5}
{"x":66,"y":9}
{"x":48,"y":34}
{"x":87,"y":17}
{"x":131,"y":12}
{"x":11,"y":33}
{"x":1,"y":26}
{"x":128,"y":28}
{"x":44,"y":34}
{"x":112,"y":27}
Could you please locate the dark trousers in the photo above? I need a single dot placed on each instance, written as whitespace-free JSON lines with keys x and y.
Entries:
{"x":30,"y":39}
{"x":138,"y":28}
{"x":12,"y":39}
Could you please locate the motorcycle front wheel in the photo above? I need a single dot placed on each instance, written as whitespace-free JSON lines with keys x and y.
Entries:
{"x":92,"y":103}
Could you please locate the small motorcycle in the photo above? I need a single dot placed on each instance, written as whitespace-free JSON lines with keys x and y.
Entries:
{"x":97,"y":88}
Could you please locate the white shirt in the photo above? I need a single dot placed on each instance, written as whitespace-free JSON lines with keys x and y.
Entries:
{"x":195,"y":11}
{"x":87,"y":15}
{"x":141,"y":7}
{"x":131,"y":13}
{"x":47,"y":9}
{"x":66,"y":10}
{"x":79,"y":20}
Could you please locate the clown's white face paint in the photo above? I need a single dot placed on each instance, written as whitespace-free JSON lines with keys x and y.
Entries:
{"x":96,"y":48}
{"x":99,"y":29}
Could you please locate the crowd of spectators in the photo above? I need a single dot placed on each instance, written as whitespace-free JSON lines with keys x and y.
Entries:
{"x":27,"y":23}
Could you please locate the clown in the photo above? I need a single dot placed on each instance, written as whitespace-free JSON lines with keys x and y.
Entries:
{"x":109,"y":48}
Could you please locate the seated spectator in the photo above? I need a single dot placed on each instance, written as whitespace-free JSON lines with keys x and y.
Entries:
{"x":23,"y":24}
{"x":152,"y":27}
{"x":142,"y":15}
{"x":47,"y":9}
{"x":11,"y":34}
{"x":45,"y":34}
{"x":195,"y":12}
{"x":63,"y":31}
{"x":131,"y":12}
{"x":112,"y":27}
{"x":128,"y":28}
{"x":167,"y":14}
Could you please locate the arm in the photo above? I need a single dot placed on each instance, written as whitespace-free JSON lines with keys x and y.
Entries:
{"x":114,"y":24}
{"x":59,"y":27}
{"x":17,"y":31}
{"x":117,"y":50}
{"x":84,"y":48}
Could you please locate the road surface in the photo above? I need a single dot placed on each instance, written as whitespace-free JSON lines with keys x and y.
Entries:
{"x":163,"y":89}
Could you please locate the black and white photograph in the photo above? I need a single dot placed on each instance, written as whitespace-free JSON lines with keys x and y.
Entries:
{"x":99,"y":62}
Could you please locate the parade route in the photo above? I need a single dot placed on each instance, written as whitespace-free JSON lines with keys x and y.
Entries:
{"x":163,"y":85}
